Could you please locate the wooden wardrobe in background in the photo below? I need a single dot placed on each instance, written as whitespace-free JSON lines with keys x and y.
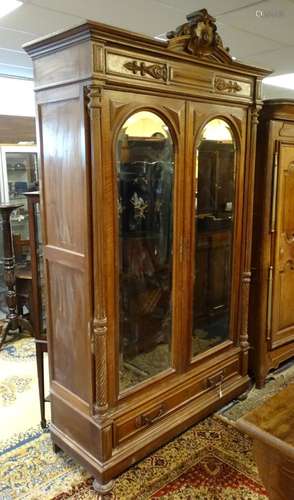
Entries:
{"x":147,"y":159}
{"x":271,"y":318}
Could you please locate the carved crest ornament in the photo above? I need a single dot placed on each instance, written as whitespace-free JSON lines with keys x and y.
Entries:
{"x":199,"y":37}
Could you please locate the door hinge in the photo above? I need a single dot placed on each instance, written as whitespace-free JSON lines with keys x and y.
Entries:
{"x":274,"y":193}
{"x":269,"y":303}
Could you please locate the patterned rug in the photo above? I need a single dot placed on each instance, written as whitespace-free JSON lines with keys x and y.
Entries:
{"x":210,"y":461}
{"x":19,"y":402}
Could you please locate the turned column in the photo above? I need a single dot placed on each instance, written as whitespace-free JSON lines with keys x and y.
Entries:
{"x":14,"y":322}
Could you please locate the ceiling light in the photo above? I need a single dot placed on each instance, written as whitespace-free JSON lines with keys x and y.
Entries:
{"x":161,"y":37}
{"x":285,"y":81}
{"x":7,"y":6}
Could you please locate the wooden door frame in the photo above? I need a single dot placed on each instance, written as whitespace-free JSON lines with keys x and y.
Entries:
{"x":239,"y":129}
{"x":116,"y":112}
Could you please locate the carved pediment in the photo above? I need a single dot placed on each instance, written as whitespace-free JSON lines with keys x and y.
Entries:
{"x":199,"y":37}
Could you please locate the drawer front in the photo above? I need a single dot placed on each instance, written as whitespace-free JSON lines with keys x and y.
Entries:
{"x":142,"y":418}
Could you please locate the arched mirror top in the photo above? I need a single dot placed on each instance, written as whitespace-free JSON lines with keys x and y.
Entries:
{"x":145,"y":137}
{"x":145,"y":124}
{"x":218,"y":130}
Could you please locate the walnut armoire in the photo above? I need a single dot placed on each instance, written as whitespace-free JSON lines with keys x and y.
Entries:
{"x":147,"y":154}
{"x":272,"y":292}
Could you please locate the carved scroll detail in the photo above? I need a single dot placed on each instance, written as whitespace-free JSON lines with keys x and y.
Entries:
{"x":244,"y":344}
{"x":157,"y":71}
{"x":199,"y":37}
{"x":99,"y":338}
{"x":246,"y":279}
{"x":226,"y":85}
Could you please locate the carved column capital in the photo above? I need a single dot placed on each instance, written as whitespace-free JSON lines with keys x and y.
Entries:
{"x":255,"y":110}
{"x":94,"y":94}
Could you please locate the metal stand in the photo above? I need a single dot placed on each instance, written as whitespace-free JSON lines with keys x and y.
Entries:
{"x":14,"y":322}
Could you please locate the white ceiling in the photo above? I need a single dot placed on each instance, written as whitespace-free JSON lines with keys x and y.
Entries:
{"x":259,"y":32}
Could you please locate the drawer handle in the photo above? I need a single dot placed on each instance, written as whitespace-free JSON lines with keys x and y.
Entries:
{"x":217,"y":381}
{"x":144,"y":420}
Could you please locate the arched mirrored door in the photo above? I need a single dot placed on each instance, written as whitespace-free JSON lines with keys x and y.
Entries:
{"x":145,"y":178}
{"x":214,"y":225}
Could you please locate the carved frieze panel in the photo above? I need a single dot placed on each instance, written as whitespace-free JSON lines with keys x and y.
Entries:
{"x":136,"y":68}
{"x":231,"y":87}
{"x":157,"y":71}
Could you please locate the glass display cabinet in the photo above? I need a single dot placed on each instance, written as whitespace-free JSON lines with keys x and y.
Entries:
{"x":18,"y":174}
{"x":148,"y":152}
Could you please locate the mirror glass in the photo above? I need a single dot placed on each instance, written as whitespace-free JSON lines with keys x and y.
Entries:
{"x":214,"y":225}
{"x":145,"y":177}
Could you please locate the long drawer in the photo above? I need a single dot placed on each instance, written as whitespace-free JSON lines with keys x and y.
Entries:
{"x":143,"y":417}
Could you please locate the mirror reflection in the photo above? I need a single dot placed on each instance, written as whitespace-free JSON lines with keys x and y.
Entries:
{"x":214,"y":221}
{"x":145,"y":173}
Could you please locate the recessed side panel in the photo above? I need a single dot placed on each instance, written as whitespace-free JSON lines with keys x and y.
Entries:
{"x":64,"y":196}
{"x":64,"y":175}
{"x":68,"y":328}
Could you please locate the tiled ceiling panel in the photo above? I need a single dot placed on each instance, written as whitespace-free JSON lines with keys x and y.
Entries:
{"x":241,"y":45}
{"x":136,"y":15}
{"x":33,"y":19}
{"x":281,"y":60}
{"x":13,"y":39}
{"x":272,"y":19}
{"x":19,"y":58}
{"x":214,"y":8}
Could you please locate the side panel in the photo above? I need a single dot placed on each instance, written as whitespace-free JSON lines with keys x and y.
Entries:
{"x":66,"y":249}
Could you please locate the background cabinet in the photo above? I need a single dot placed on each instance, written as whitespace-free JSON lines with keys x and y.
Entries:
{"x":18,"y":174}
{"x":142,"y":208}
{"x":271,"y":305}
